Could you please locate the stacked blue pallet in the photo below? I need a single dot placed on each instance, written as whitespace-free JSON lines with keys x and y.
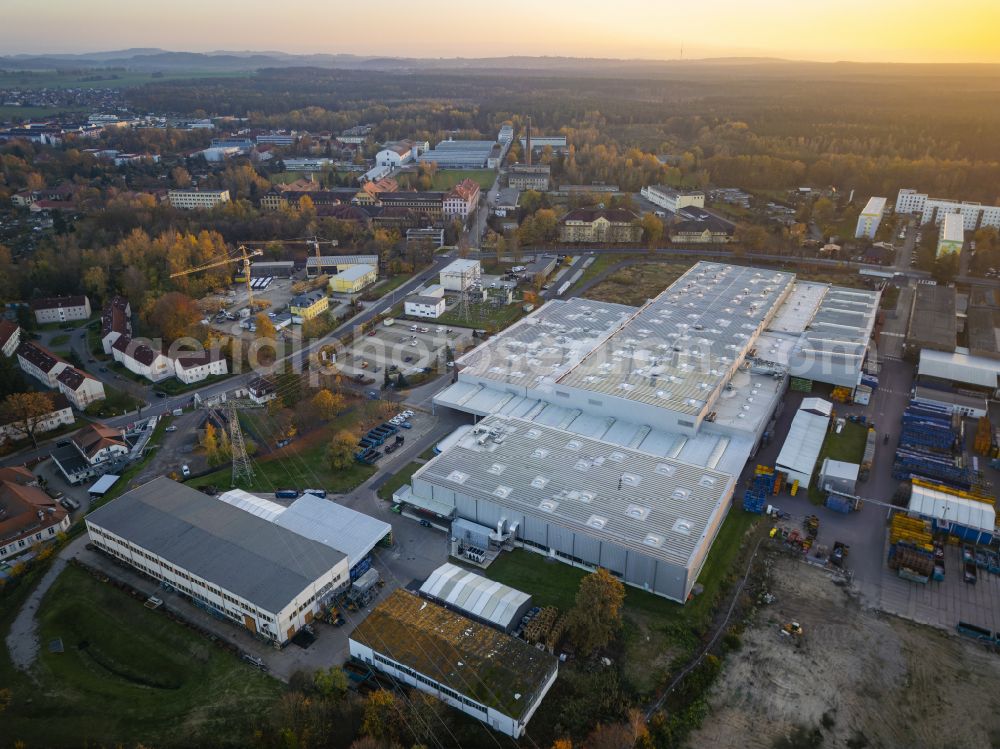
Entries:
{"x":755,"y":498}
{"x":926,"y":445}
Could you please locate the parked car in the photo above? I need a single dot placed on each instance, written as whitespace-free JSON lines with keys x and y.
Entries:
{"x":185,"y":470}
{"x":170,"y":429}
{"x":69,"y":503}
{"x":54,"y":493}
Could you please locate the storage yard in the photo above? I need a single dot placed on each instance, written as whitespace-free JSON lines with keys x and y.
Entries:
{"x":879,"y":681}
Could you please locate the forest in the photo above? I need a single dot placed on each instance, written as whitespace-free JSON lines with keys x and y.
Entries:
{"x":873,"y":129}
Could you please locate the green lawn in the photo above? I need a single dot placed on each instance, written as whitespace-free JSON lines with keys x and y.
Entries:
{"x":173,"y":386}
{"x":445,"y":179}
{"x":657,"y":633}
{"x":848,"y":446}
{"x":115,"y":403}
{"x":485,"y":316}
{"x":302,"y":464}
{"x":127,"y":675}
{"x":27,"y":113}
{"x":401,"y":477}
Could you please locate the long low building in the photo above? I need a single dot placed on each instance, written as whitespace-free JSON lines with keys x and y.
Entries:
{"x":269,"y":579}
{"x":477,"y":597}
{"x":650,"y":520}
{"x":497,"y":679}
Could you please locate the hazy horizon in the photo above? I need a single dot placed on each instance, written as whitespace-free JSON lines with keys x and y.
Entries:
{"x":853,"y":31}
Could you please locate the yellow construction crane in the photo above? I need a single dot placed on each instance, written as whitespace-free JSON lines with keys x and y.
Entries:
{"x":242,"y":255}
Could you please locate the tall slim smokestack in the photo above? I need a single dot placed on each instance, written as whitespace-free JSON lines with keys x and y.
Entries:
{"x":527,"y":141}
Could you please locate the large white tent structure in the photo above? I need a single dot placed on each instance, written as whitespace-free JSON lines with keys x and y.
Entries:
{"x":804,"y":441}
{"x":476,"y":596}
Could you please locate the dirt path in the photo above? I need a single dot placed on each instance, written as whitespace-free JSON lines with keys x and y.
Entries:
{"x":22,"y":639}
{"x":860,"y":678}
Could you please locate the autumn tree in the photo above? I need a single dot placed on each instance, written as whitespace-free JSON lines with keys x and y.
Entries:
{"x":382,"y":717}
{"x":652,"y":229}
{"x":597,"y":614}
{"x":340,"y":451}
{"x":25,"y":412}
{"x":331,"y":682}
{"x":210,"y":442}
{"x":265,"y":328}
{"x":327,"y":405}
{"x":173,"y":316}
{"x":180,"y":177}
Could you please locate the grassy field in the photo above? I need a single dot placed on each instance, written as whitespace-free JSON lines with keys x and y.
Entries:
{"x":115,"y":403}
{"x":848,"y":446}
{"x":28,"y":113}
{"x":301,"y":464}
{"x":445,"y":179}
{"x":174,"y":386}
{"x":484,"y":316}
{"x":128,"y":674}
{"x":657,"y":631}
{"x":401,"y":477}
{"x":636,"y":283}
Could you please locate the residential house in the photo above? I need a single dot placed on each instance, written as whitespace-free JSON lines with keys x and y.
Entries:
{"x":694,"y":225}
{"x":116,"y":321}
{"x":28,"y":516}
{"x":262,"y":390}
{"x":10,"y":337}
{"x":23,"y":199}
{"x":309,"y":305}
{"x":92,"y":451}
{"x":40,"y":363}
{"x":60,"y":309}
{"x":141,"y":359}
{"x":461,"y":200}
{"x":79,"y":387}
{"x":196,"y":366}
{"x":16,"y":429}
{"x":600,"y":225}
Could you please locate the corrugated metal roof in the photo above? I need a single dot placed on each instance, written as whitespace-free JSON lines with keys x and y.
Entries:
{"x":262,"y":508}
{"x":960,"y":367}
{"x":341,"y":528}
{"x":803,"y":443}
{"x":939,"y":505}
{"x":484,"y":599}
{"x":226,"y":546}
{"x":677,"y":351}
{"x":658,"y":506}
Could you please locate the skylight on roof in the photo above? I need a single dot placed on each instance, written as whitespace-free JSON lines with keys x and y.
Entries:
{"x":637,"y":512}
{"x":597,"y":522}
{"x":457,"y":477}
{"x":631,"y":479}
{"x":539,"y":482}
{"x":497,"y":468}
{"x":502,"y":491}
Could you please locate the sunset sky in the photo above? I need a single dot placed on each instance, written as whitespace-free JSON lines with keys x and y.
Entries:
{"x":871,"y":30}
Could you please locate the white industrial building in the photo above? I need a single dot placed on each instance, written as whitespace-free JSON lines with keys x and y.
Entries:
{"x":870,"y":218}
{"x":341,"y":528}
{"x":805,"y":438}
{"x":476,"y":597}
{"x":672,"y":199}
{"x":197,"y":199}
{"x":463,"y":154}
{"x":946,"y":508}
{"x":839,"y":477}
{"x":460,"y":274}
{"x":582,"y":398}
{"x":962,"y":367}
{"x":424,"y":305}
{"x":269,"y":579}
{"x":491,"y":676}
{"x":932,"y":210}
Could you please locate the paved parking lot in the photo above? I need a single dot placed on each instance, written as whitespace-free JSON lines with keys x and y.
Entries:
{"x":392,"y":346}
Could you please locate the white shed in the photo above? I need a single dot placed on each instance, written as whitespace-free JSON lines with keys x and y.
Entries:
{"x":802,"y":445}
{"x":838,"y":476}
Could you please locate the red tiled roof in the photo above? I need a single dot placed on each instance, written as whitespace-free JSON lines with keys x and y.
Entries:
{"x":58,"y":302}
{"x":21,"y":505}
{"x":42,"y":358}
{"x":73,"y":378}
{"x":197,"y":358}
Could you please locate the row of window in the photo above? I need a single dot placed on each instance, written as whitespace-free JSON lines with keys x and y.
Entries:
{"x":21,"y":543}
{"x":431,"y":683}
{"x":175,"y":571}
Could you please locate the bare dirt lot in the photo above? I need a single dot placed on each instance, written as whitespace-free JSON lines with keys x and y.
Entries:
{"x":856,"y":678}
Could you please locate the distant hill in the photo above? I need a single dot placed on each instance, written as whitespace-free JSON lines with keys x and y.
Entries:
{"x":148,"y":60}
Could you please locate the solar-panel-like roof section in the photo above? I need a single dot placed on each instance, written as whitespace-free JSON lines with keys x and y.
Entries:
{"x":484,"y":599}
{"x":542,"y":346}
{"x":659,"y":506}
{"x":678,"y":350}
{"x":217,"y":541}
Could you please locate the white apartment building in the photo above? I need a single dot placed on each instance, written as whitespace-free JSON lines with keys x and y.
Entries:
{"x":61,"y":309}
{"x":952,"y":235}
{"x":671,"y":199}
{"x":79,"y":388}
{"x":199,"y":365}
{"x":197,"y":199}
{"x":259,"y":575}
{"x":870,"y":218}
{"x":10,"y":337}
{"x":61,"y":414}
{"x":933,"y":210}
{"x":39,"y":363}
{"x":142,"y":360}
